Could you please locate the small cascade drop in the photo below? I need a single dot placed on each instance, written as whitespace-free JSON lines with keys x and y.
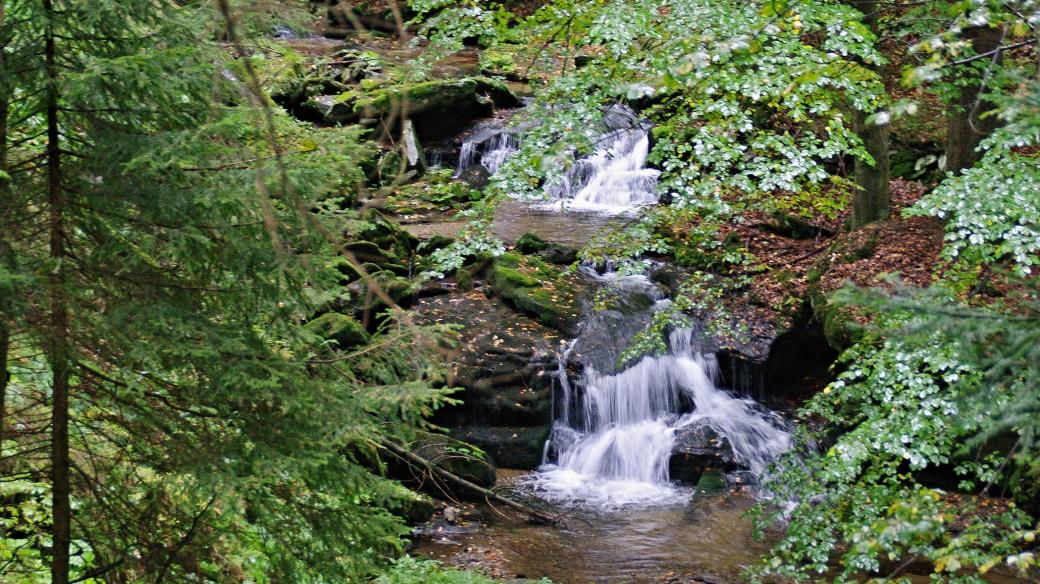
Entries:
{"x":613,"y":179}
{"x":613,"y":449}
{"x":489,"y":145}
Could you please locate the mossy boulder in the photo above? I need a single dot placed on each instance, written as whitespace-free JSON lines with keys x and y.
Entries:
{"x":505,"y":279}
{"x":366,"y":251}
{"x":344,"y":330}
{"x":531,"y":243}
{"x":439,"y":108}
{"x":839,"y":324}
{"x":522,"y":290}
{"x":528,"y":284}
{"x":712,"y":483}
{"x":387,"y":235}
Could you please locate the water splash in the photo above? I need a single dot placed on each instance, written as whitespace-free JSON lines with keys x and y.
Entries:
{"x":489,"y":146}
{"x":614,"y":449}
{"x":613,"y":179}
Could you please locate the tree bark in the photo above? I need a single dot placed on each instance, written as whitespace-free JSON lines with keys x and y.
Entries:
{"x":965,"y":126}
{"x":872,"y":199}
{"x":5,"y":301}
{"x":58,"y":351}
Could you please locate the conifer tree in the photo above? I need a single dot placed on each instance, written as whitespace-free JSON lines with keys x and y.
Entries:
{"x":171,"y":232}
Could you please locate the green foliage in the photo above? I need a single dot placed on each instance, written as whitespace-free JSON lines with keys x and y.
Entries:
{"x":944,"y":381}
{"x":213,"y":437}
{"x":933,"y":384}
{"x":992,"y":211}
{"x":409,"y":570}
{"x":740,"y":102}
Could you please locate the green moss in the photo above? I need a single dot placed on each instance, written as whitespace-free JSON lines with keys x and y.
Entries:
{"x":839,"y":327}
{"x":531,"y":243}
{"x":435,"y":243}
{"x":464,"y":278}
{"x":511,"y":260}
{"x":503,"y":277}
{"x":438,"y":94}
{"x":342,"y":329}
{"x":346,"y":270}
{"x":523,"y":291}
{"x":712,"y":483}
{"x":366,"y":251}
{"x":387,"y":235}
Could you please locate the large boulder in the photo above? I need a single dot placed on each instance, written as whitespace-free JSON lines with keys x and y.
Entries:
{"x":505,"y":363}
{"x":699,"y":450}
{"x":507,"y":447}
{"x":536,"y":289}
{"x":439,"y":108}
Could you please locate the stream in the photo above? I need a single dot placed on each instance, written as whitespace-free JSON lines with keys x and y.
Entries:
{"x":620,"y":429}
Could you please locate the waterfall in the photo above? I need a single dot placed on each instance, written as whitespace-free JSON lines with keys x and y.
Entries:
{"x":489,"y":146}
{"x":614,"y":433}
{"x":614,"y":448}
{"x":613,"y":179}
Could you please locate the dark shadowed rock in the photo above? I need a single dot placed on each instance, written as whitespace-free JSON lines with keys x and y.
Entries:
{"x":699,"y":450}
{"x":507,"y":447}
{"x":504,"y":362}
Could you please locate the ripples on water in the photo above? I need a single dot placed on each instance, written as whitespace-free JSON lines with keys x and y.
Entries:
{"x":705,"y":538}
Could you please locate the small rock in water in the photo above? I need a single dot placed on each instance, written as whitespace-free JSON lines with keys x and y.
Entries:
{"x":452,"y":515}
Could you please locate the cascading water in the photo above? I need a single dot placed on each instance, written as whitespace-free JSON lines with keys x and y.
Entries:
{"x":614,"y":432}
{"x":489,"y":146}
{"x":613,"y":179}
{"x":615,"y":447}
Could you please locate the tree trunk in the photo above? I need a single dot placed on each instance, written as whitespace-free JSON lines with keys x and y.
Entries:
{"x":872,"y":199}
{"x":5,"y":344}
{"x":965,"y":127}
{"x":58,"y":351}
{"x":5,"y":301}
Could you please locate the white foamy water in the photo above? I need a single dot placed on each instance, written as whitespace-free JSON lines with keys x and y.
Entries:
{"x":489,"y":146}
{"x":613,"y":179}
{"x":614,"y":449}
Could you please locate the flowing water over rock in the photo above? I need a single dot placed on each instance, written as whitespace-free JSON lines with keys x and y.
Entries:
{"x":622,"y":428}
{"x":615,"y":434}
{"x":614,"y":179}
{"x":489,"y":145}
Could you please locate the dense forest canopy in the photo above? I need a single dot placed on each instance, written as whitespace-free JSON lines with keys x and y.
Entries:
{"x":210,"y":366}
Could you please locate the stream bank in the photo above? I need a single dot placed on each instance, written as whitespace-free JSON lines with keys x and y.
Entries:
{"x":508,"y":359}
{"x":706,"y":540}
